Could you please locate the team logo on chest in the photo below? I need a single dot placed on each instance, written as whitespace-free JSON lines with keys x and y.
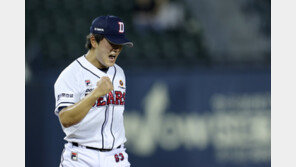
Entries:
{"x":121,"y":84}
{"x":74,"y":156}
{"x":87,"y":82}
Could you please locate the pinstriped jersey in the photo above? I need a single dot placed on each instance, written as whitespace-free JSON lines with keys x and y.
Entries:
{"x":103,"y":125}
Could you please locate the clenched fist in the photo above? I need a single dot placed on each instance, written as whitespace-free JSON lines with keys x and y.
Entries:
{"x":104,"y":86}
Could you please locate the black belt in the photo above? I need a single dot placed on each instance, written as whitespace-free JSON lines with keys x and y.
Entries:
{"x":93,"y":148}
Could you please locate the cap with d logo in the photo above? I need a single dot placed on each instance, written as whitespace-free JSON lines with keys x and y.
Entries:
{"x":112,"y":28}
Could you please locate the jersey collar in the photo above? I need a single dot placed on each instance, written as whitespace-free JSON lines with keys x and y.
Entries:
{"x":90,"y":67}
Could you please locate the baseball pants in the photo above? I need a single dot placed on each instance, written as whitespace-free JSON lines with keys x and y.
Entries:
{"x":73,"y":156}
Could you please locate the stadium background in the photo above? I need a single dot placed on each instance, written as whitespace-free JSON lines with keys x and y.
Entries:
{"x":198,"y":78}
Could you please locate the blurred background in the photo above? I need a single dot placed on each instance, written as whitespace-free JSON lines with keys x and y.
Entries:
{"x":198,"y":78}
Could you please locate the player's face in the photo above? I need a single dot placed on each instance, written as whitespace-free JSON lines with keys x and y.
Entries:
{"x":107,"y":53}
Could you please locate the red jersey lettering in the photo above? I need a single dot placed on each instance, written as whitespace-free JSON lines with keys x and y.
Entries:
{"x":110,"y":99}
{"x":118,"y":97}
{"x":100,"y":102}
{"x":123,"y":99}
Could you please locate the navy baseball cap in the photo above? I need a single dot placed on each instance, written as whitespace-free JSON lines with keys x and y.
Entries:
{"x":112,"y":28}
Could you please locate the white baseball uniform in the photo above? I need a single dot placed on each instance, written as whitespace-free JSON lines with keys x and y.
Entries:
{"x":103,"y":125}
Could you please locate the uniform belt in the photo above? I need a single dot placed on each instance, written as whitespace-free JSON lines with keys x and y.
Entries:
{"x":93,"y":148}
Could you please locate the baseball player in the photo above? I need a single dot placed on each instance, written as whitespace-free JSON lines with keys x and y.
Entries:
{"x":90,"y":98}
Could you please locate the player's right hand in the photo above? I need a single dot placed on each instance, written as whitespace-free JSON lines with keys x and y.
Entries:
{"x":104,"y":86}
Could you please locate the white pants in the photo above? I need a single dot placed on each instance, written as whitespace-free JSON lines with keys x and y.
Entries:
{"x":80,"y":156}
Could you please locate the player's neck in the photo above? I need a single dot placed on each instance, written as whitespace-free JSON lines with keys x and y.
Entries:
{"x":90,"y":56}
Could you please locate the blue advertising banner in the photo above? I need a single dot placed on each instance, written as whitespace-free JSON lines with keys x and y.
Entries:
{"x":199,"y":118}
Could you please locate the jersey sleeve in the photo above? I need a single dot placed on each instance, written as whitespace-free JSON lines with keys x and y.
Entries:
{"x":66,"y":90}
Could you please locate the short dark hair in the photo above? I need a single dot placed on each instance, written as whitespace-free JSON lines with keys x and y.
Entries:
{"x":98,"y":38}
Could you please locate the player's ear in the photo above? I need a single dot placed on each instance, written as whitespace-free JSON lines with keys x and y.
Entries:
{"x":93,"y":41}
